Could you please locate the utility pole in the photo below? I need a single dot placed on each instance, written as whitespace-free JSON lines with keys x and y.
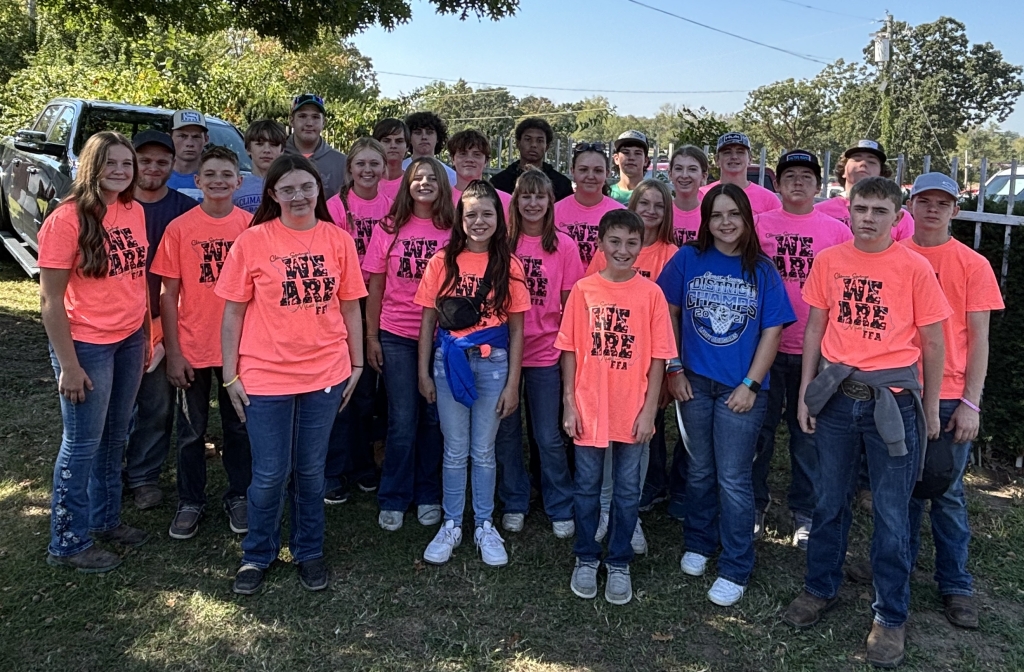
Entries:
{"x":883,"y":46}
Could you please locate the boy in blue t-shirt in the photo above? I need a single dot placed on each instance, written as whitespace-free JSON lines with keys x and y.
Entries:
{"x":264,"y":141}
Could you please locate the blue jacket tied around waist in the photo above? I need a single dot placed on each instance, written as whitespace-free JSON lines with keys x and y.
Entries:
{"x":456,"y":362}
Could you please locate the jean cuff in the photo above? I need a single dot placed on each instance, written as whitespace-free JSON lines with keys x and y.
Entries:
{"x":735,"y":579}
{"x":296,"y":561}
{"x":94,"y":531}
{"x":957,"y":591}
{"x":889,"y":624}
{"x":818,"y":594}
{"x":78,"y":549}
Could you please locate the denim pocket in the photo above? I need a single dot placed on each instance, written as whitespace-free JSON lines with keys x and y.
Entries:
{"x":498,"y":355}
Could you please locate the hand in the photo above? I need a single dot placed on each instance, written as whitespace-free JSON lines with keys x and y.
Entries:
{"x":643,"y":428}
{"x":964,"y":424}
{"x":350,"y":388}
{"x":158,"y":354}
{"x":508,"y":402}
{"x":428,"y":389}
{"x":932,"y":424}
{"x":179,"y":371}
{"x":73,"y":383}
{"x":742,"y":399}
{"x":236,"y":392}
{"x":679,"y":387}
{"x":374,"y":354}
{"x":571,"y":422}
{"x":803,"y":416}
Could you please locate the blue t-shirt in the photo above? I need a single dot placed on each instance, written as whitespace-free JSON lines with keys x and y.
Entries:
{"x":723,"y":312}
{"x":250,"y":194}
{"x":158,"y":215}
{"x":185,"y":183}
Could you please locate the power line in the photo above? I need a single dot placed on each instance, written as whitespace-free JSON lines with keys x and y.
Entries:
{"x":553,"y":88}
{"x":805,"y":57}
{"x":828,"y":11}
{"x":538,"y":114}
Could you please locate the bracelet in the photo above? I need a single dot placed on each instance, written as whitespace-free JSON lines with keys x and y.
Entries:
{"x":674,"y":372}
{"x":232,"y":381}
{"x":357,"y":367}
{"x":969,"y":404}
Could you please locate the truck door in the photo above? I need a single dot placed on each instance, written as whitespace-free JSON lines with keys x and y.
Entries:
{"x":29,"y":183}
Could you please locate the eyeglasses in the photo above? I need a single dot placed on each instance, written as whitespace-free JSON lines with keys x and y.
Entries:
{"x":589,"y":147}
{"x":307,"y":190}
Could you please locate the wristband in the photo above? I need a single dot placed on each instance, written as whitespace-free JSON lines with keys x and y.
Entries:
{"x":969,"y":404}
{"x":674,"y":372}
{"x":231,"y":382}
{"x":357,"y":367}
{"x":754,"y":386}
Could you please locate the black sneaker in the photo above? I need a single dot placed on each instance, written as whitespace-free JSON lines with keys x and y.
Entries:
{"x":238,"y":514}
{"x":338,"y":495}
{"x":368,"y":483}
{"x":313,"y":574}
{"x":186,"y":521}
{"x":248,"y":580}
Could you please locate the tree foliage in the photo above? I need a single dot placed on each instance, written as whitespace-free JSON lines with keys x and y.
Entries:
{"x":19,"y":37}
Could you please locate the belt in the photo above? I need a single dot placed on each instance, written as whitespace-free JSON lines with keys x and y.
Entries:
{"x":861,"y":391}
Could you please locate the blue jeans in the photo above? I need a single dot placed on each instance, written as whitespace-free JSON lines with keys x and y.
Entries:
{"x":950,"y":530}
{"x":350,"y":450}
{"x":803,"y":456}
{"x":87,"y":472}
{"x":655,"y":477}
{"x":411,"y":473}
{"x":470,"y":433}
{"x":608,"y":484}
{"x":845,"y":428}
{"x":193,"y":418}
{"x":288,"y":434}
{"x":625,"y":501}
{"x":719,"y":493}
{"x":149,"y":439}
{"x":542,"y":386}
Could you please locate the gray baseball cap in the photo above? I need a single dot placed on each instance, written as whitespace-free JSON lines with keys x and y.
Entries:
{"x":732,"y":138}
{"x":935,"y":182}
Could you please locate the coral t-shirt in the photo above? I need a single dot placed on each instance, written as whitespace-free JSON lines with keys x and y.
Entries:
{"x":839,"y":208}
{"x":793,"y":242}
{"x":108,"y":309}
{"x":193,"y":250}
{"x":876,"y":302}
{"x":615,"y":329}
{"x":580,"y":222}
{"x":294,"y":338}
{"x":686,"y":224}
{"x":403,"y":258}
{"x":649,"y":262}
{"x":761,"y":199}
{"x":472,"y":267}
{"x":548,"y":274}
{"x":390,"y":188}
{"x":970,"y":286}
{"x":366,"y":216}
{"x":506,"y":200}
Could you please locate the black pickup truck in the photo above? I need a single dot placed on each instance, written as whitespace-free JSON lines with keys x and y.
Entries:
{"x":38,"y":164}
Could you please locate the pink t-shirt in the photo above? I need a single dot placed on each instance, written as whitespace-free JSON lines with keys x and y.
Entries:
{"x":685,"y":223}
{"x":793,"y":242}
{"x":761,"y":199}
{"x":390,"y":188}
{"x":548,"y":274}
{"x":839,"y":208}
{"x":403,"y":258}
{"x":366,"y":216}
{"x":506,"y":199}
{"x":580,"y":222}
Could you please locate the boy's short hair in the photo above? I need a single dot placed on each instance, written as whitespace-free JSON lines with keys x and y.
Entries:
{"x":431,"y":122}
{"x":878,"y":187}
{"x":390,"y":126}
{"x":464,"y":141}
{"x":265,"y":130}
{"x":535,"y":123}
{"x":219,"y":152}
{"x":622,"y":219}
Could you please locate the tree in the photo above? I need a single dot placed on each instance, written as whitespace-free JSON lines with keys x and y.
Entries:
{"x":19,"y":37}
{"x":787,"y":115}
{"x":296,"y":23}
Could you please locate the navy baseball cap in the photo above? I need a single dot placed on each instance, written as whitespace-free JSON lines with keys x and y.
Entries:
{"x":152,"y":137}
{"x":308,"y":99}
{"x":869,"y":146}
{"x":732,"y":138}
{"x":798,"y":157}
{"x":935,"y":182}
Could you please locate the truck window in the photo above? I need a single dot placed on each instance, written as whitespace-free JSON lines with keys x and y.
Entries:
{"x":46,"y":118}
{"x":126,"y":122}
{"x":61,"y":130}
{"x":226,"y":136}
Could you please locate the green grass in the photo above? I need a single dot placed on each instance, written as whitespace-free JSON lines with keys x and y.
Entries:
{"x":169,"y":607}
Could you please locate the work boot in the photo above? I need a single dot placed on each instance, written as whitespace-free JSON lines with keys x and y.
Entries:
{"x":961,"y":611}
{"x":886,"y":645}
{"x":92,"y":560}
{"x":147,"y":497}
{"x":126,"y":535}
{"x":806,"y":610}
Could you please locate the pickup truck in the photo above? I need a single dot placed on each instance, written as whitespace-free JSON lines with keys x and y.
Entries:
{"x":38,"y":163}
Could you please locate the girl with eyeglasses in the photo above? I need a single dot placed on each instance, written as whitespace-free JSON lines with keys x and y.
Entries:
{"x":579,"y":216}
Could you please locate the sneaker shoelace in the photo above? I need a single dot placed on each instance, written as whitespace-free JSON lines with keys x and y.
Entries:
{"x":490,"y":538}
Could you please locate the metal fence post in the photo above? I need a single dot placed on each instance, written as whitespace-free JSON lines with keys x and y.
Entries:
{"x":954,"y":169}
{"x":927,"y":168}
{"x":760,"y":172}
{"x":899,"y":169}
{"x":827,"y":168}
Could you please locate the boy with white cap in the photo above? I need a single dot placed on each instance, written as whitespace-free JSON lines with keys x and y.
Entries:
{"x":732,"y":156}
{"x":631,"y":155}
{"x":190,"y":135}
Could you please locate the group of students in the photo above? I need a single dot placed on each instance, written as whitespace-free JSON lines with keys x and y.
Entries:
{"x":719,"y":299}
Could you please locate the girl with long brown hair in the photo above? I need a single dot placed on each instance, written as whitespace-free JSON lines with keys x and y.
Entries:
{"x":93,"y":298}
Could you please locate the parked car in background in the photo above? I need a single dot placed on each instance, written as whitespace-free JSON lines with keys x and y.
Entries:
{"x":754,"y":172}
{"x":38,"y":163}
{"x":998,"y":186}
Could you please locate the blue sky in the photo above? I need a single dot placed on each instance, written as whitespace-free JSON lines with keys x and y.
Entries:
{"x":614,"y":44}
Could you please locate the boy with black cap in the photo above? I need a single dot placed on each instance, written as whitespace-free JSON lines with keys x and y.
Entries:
{"x":733,"y":158}
{"x":190,"y":135}
{"x":533,"y":137}
{"x":970,"y":286}
{"x":150,"y":438}
{"x":792,"y":237}
{"x":307,"y":124}
{"x":631,"y":155}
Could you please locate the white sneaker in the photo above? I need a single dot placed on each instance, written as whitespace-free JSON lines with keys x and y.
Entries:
{"x":619,"y":588}
{"x":802,"y":531}
{"x":725,"y":593}
{"x":693,"y":564}
{"x":491,"y":545}
{"x":563,"y":529}
{"x":513,"y":522}
{"x":447,"y":539}
{"x":602,"y":527}
{"x":639,"y":541}
{"x":391,"y":520}
{"x":428,"y":514}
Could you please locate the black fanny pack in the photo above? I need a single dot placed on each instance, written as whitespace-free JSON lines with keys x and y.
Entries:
{"x":938,"y":470}
{"x":462,"y":312}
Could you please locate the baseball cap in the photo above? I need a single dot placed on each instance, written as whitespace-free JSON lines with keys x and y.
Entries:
{"x":631,"y":138}
{"x":732,"y":138}
{"x":184,"y":118}
{"x":869,"y":146}
{"x":152,"y":137}
{"x":798,"y":157}
{"x":936,"y":182}
{"x":308,"y":99}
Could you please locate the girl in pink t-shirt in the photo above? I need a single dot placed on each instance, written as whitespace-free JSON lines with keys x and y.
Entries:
{"x":688,"y":170}
{"x":579,"y":216}
{"x":393,"y":134}
{"x":552,"y":266}
{"x":92,"y":290}
{"x":418,"y":226}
